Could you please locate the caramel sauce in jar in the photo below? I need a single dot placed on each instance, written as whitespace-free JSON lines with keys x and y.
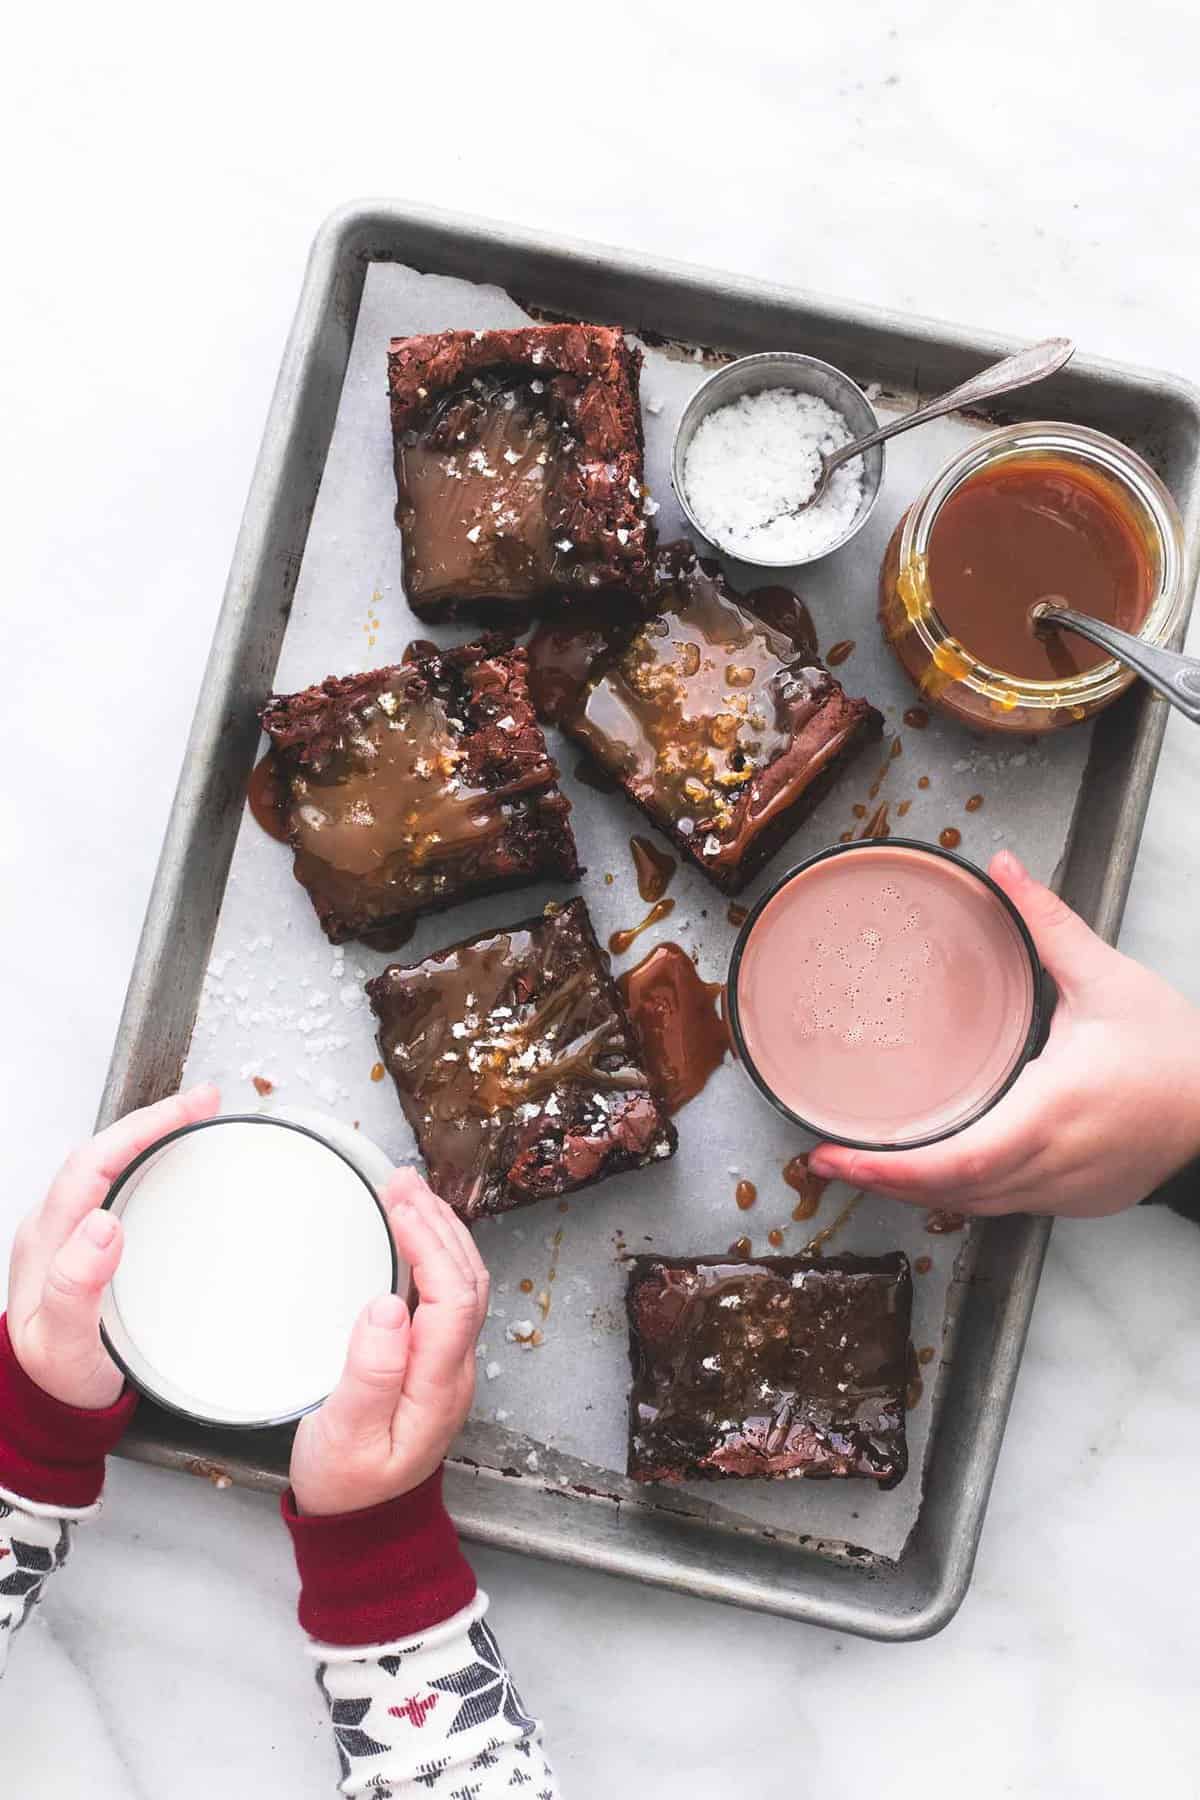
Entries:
{"x":1039,"y":529}
{"x":1055,"y":513}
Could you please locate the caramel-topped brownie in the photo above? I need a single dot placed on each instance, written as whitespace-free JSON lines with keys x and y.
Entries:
{"x":783,"y":1366}
{"x":516,"y":1065}
{"x":724,"y":730}
{"x":518,"y":466}
{"x":414,"y":787}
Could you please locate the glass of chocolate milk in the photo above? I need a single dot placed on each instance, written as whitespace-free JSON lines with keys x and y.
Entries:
{"x":884,"y":994}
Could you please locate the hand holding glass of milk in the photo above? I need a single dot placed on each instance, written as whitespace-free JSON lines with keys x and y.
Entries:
{"x":248,"y":1270}
{"x":66,"y":1253}
{"x":408,"y":1382}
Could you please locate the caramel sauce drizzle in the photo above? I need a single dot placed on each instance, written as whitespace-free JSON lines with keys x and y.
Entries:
{"x":816,"y":1244}
{"x":682,"y":1031}
{"x":620,"y":941}
{"x":808,"y":1187}
{"x":653,"y":868}
{"x":265,"y":798}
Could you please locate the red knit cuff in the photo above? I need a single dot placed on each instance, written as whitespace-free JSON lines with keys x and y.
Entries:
{"x":384,"y":1573}
{"x":50,"y":1452}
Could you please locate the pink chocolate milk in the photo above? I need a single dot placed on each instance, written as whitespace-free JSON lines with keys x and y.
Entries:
{"x":885,"y":995}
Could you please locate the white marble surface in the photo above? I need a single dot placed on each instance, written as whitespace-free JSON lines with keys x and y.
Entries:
{"x":163,"y":187}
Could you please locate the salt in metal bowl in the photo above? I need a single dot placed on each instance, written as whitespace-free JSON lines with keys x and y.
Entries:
{"x":804,"y":375}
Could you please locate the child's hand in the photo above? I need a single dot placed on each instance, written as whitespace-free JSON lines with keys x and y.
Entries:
{"x":1100,"y":1119}
{"x":66,"y":1253}
{"x":407,"y":1385}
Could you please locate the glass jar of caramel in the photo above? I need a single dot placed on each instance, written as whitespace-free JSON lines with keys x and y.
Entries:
{"x":1031,"y":512}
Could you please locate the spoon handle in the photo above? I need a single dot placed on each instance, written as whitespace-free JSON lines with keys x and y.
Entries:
{"x":1018,"y":371}
{"x":1175,"y":677}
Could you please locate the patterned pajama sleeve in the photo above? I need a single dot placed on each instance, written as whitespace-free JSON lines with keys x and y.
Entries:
{"x":51,"y":1473}
{"x":34,"y":1541}
{"x":435,"y":1714}
{"x":420,"y":1698}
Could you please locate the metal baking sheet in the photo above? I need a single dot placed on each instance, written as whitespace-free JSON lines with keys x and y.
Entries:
{"x":542,"y":1477}
{"x":279,"y":1004}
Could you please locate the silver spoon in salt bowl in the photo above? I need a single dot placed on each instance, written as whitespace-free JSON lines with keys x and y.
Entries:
{"x":1168,"y":672}
{"x":1018,"y":371}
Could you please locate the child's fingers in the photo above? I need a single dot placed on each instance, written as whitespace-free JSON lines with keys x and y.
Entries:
{"x":457,"y":1240}
{"x":88,"y":1173}
{"x":69,"y":1309}
{"x":408,"y":1189}
{"x":446,"y":1322}
{"x":1068,"y":947}
{"x":979,"y":1161}
{"x":414,"y":1214}
{"x":363,"y":1404}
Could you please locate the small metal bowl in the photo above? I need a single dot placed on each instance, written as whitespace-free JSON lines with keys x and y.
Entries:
{"x":805,"y":375}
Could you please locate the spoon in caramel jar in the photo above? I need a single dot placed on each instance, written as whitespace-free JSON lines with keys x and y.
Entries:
{"x":1021,"y":370}
{"x":1175,"y":677}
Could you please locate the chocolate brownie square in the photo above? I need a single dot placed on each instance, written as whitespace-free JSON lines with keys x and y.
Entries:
{"x":414,"y":787}
{"x":518,"y":466}
{"x":724,"y":729}
{"x":516,"y":1065}
{"x":782,"y":1367}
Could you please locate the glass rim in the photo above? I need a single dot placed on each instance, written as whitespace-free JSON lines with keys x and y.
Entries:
{"x":1024,"y":1056}
{"x":142,"y":1157}
{"x":1145,"y":490}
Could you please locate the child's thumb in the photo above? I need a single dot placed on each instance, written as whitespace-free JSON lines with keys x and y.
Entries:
{"x":1070,"y":951}
{"x":364,"y":1401}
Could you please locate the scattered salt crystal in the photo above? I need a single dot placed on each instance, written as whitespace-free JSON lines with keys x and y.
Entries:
{"x":654,"y":406}
{"x":492,"y":1370}
{"x":649,"y":507}
{"x":872,"y":390}
{"x":753,"y":460}
{"x":563,"y":544}
{"x":473,"y":535}
{"x":501,"y":1415}
{"x":531,"y":1461}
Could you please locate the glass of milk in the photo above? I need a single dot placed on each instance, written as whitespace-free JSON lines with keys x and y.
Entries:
{"x":252,"y":1243}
